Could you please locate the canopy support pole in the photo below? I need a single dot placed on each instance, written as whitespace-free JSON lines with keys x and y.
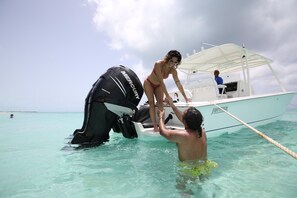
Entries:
{"x":275,"y":76}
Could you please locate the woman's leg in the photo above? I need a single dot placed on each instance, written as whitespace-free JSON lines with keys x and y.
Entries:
{"x":149,"y":92}
{"x":159,"y":96}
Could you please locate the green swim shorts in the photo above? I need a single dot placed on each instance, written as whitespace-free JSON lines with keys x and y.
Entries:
{"x":197,"y":168}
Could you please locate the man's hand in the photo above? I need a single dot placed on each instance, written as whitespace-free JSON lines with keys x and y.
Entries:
{"x":168,"y":99}
{"x":169,"y":102}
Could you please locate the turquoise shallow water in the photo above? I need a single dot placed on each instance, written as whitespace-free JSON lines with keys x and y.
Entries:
{"x":33,"y":163}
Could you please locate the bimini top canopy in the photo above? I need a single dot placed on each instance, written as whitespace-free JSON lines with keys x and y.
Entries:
{"x":226,"y":58}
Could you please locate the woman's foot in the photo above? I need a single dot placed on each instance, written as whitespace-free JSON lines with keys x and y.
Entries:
{"x":156,"y":129}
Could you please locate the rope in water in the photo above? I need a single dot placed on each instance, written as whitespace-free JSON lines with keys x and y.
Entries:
{"x":269,"y":139}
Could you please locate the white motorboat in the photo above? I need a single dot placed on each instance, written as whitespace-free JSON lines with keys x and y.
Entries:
{"x":238,"y":98}
{"x":113,"y":99}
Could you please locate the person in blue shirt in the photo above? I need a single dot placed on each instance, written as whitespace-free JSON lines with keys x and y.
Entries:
{"x":218,"y":79}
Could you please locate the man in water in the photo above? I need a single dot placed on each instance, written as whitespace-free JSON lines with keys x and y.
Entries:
{"x":191,"y":141}
{"x":191,"y":146}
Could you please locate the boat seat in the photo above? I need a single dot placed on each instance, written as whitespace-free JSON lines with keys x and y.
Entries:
{"x":222,"y":89}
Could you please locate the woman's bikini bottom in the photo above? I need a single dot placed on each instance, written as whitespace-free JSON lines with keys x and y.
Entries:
{"x":154,"y":86}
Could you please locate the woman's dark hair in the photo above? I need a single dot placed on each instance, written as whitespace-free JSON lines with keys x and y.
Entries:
{"x":173,"y":53}
{"x":193,"y":118}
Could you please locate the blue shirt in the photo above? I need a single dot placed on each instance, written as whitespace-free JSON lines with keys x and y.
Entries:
{"x":219,"y":80}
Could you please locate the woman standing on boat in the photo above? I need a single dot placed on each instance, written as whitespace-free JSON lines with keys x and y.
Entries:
{"x":154,"y":84}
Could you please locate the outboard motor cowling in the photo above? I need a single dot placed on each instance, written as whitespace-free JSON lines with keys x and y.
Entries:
{"x":114,"y":95}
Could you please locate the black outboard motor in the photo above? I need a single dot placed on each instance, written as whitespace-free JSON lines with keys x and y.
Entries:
{"x":111,"y":103}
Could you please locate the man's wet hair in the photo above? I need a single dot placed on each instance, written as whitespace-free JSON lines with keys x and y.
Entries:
{"x":193,"y":118}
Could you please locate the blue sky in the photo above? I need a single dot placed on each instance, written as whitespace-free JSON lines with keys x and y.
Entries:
{"x":51,"y":52}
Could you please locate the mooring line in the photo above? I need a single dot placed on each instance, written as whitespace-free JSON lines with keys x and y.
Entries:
{"x":269,"y":139}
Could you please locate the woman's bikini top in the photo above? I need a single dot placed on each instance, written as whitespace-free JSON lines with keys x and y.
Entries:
{"x":164,"y":75}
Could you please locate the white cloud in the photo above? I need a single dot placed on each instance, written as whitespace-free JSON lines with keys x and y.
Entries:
{"x":140,"y":70}
{"x":148,"y":29}
{"x":133,"y":24}
{"x":125,"y":57}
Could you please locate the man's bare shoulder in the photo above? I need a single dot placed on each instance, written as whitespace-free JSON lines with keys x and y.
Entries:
{"x":176,"y":135}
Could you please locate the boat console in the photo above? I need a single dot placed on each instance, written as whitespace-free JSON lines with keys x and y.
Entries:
{"x":236,"y":89}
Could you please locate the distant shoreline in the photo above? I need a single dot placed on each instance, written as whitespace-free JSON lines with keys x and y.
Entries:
{"x":18,"y":112}
{"x":10,"y":112}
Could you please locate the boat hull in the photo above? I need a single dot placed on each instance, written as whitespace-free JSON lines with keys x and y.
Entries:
{"x":253,"y":110}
